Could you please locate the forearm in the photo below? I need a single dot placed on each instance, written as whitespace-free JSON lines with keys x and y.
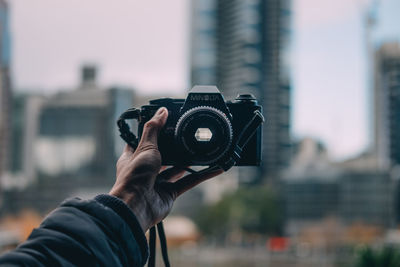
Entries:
{"x":84,"y":233}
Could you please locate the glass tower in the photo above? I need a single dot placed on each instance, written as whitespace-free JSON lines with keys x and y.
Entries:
{"x":242,"y":47}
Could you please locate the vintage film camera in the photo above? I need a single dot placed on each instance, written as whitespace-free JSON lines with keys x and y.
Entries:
{"x":203,"y":129}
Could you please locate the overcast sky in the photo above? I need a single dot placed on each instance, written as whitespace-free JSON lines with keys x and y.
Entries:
{"x":144,"y":44}
{"x":139,"y":43}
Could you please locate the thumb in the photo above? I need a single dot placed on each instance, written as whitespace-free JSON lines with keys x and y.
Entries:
{"x":152,"y":128}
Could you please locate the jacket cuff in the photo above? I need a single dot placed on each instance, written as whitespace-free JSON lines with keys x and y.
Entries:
{"x":119,"y":207}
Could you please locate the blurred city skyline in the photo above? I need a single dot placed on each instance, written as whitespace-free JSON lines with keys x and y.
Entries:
{"x":146,"y":45}
{"x":315,"y":199}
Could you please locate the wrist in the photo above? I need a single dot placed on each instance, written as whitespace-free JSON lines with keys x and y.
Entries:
{"x":137,"y":206}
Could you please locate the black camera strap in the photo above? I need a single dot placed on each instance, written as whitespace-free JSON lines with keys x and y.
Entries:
{"x":248,"y":131}
{"x":123,"y":127}
{"x":163,"y":244}
{"x":244,"y":137}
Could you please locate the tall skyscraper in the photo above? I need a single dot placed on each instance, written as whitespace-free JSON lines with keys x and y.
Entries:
{"x":5,"y":89}
{"x":242,"y":47}
{"x":387,"y":105}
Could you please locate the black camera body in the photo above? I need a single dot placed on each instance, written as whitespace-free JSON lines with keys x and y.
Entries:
{"x":203,"y":129}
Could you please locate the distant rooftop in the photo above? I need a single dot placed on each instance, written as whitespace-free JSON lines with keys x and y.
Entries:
{"x":391,"y":49}
{"x":80,"y":98}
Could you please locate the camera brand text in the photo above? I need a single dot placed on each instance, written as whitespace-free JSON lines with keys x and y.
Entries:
{"x":204,"y":97}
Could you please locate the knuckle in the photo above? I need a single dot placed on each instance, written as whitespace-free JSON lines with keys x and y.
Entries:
{"x":152,"y":152}
{"x":151,"y":124}
{"x":148,"y":147}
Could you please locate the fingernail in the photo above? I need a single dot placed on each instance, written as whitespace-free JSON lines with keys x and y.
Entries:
{"x":161,"y":111}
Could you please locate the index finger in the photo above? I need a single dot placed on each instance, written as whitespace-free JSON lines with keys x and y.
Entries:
{"x":191,"y":180}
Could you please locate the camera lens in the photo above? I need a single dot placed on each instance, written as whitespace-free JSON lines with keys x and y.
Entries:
{"x":204,"y":133}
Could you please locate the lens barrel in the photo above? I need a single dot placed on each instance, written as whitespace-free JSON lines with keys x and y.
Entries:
{"x":204,"y":133}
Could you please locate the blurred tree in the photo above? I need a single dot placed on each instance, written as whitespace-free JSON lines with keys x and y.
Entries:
{"x":388,"y":257}
{"x":253,"y":210}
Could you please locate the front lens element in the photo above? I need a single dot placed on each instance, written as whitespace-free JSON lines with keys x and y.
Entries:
{"x":203,"y":135}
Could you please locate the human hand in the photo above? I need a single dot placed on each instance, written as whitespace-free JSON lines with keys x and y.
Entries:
{"x":140,"y":184}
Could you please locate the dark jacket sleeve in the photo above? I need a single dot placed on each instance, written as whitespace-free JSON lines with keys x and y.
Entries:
{"x":98,"y":232}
